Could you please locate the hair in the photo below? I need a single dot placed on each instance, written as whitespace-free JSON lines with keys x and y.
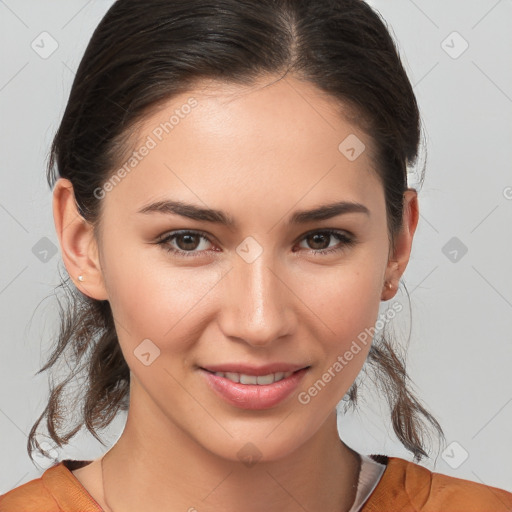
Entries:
{"x":140,"y":56}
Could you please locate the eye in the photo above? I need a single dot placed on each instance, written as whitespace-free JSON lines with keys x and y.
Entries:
{"x":187,"y":242}
{"x":320,"y":240}
{"x":192,"y":243}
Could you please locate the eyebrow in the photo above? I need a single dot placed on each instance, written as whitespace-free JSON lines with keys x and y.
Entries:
{"x":194,"y":212}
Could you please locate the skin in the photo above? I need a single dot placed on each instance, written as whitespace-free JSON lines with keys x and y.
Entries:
{"x":258,"y":153}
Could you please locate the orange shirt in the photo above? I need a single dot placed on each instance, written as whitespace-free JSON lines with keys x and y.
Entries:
{"x":403,"y":487}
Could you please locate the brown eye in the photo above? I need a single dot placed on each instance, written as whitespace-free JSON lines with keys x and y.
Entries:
{"x":320,"y":241}
{"x":185,"y":243}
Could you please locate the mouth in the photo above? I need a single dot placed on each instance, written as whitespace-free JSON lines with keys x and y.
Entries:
{"x":259,"y":380}
{"x":255,"y":387}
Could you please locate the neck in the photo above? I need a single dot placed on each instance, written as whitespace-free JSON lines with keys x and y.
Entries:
{"x":145,"y":471}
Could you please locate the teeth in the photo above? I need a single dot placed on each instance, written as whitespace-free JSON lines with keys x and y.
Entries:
{"x":265,"y":379}
{"x":280,"y":375}
{"x":249,"y":379}
{"x":243,"y":378}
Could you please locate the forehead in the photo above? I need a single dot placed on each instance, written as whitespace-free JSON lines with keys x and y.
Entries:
{"x":273,"y":141}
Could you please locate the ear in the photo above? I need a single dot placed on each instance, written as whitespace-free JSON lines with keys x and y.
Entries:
{"x":400,"y":253}
{"x":78,"y":244}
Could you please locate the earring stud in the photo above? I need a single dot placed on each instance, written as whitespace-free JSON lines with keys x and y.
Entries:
{"x":80,"y":277}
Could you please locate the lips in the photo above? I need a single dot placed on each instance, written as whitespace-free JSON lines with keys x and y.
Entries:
{"x":249,"y":369}
{"x":257,"y":387}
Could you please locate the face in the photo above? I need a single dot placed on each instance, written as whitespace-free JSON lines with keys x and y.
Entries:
{"x":244,"y":279}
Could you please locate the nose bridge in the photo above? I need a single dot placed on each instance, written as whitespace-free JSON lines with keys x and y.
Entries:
{"x":258,"y":309}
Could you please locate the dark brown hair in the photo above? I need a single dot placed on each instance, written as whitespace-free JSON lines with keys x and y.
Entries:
{"x":142,"y":54}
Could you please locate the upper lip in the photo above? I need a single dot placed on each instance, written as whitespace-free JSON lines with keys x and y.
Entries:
{"x":249,"y":369}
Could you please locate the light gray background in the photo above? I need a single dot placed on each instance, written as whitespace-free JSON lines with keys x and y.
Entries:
{"x":460,"y":353}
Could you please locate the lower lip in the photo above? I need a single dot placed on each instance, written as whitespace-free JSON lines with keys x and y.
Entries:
{"x":254,"y":396}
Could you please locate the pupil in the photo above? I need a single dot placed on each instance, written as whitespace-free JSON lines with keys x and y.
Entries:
{"x":316,"y":236}
{"x":189,"y":237}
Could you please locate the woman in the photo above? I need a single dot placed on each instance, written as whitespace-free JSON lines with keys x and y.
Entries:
{"x":231,"y":201}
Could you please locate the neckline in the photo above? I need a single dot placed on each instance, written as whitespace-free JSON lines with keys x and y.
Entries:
{"x":370,"y":474}
{"x":72,"y":464}
{"x":67,"y":466}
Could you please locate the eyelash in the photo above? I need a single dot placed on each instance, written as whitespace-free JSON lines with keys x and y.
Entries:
{"x":347,"y":241}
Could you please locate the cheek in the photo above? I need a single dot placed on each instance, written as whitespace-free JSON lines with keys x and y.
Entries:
{"x":346,"y":301}
{"x":151,"y":299}
{"x":347,"y":307}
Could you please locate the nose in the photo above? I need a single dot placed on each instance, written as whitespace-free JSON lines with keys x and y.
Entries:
{"x":257,"y":305}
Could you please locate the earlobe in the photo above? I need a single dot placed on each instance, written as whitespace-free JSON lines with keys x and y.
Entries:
{"x":77,"y":242}
{"x":399,"y":257}
{"x":390,"y":286}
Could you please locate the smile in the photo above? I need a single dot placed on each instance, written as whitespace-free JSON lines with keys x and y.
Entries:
{"x":253,"y":392}
{"x":244,"y":378}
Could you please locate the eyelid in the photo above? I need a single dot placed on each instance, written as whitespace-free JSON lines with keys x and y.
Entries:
{"x":208,"y":236}
{"x":171,"y":235}
{"x":175,"y":232}
{"x":349,"y":240}
{"x":332,"y":231}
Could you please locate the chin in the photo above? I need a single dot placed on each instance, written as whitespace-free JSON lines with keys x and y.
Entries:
{"x":270,"y":444}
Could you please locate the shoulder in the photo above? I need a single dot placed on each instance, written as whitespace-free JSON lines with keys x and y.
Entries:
{"x":55,"y":490}
{"x":30,"y":497}
{"x":412,"y":487}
